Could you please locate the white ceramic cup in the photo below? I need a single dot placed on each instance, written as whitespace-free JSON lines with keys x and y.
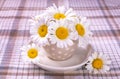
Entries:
{"x":60,"y":54}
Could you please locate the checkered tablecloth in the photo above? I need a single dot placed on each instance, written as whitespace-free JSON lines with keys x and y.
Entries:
{"x":14,"y":32}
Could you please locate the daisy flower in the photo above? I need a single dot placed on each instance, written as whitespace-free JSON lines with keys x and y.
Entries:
{"x":30,"y":52}
{"x":81,"y":31}
{"x":39,"y":31}
{"x":57,"y":13}
{"x":98,"y":63}
{"x":60,"y":34}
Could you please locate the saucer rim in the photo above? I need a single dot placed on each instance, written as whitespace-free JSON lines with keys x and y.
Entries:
{"x":67,"y":68}
{"x":53,"y":68}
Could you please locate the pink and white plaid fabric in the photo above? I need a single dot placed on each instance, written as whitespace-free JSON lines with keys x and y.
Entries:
{"x":14,"y":32}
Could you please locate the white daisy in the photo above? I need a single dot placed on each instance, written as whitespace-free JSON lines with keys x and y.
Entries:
{"x":57,"y":13}
{"x":81,"y":31}
{"x":59,"y":34}
{"x":30,"y":53}
{"x":98,"y":63}
{"x":39,"y":31}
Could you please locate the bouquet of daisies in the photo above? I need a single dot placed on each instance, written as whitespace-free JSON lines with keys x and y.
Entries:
{"x":60,"y":26}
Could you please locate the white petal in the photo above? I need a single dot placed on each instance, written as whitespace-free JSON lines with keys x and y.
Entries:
{"x":108,"y":62}
{"x":60,"y":44}
{"x":64,"y":44}
{"x":105,"y":67}
{"x":69,"y":11}
{"x":96,"y":71}
{"x":33,"y":45}
{"x":79,"y":44}
{"x":89,"y":67}
{"x":73,"y":36}
{"x":61,"y":9}
{"x":94,"y":55}
{"x":70,"y":15}
{"x":90,"y":58}
{"x":55,"y":7}
{"x":100,"y":55}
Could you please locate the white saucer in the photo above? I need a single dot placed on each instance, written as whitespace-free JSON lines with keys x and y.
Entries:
{"x":75,"y":62}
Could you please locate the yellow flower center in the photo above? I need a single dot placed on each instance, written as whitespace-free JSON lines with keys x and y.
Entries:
{"x":59,"y":16}
{"x":42,"y":30}
{"x":80,"y":29}
{"x":62,"y":33}
{"x":97,"y":63}
{"x":32,"y":53}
